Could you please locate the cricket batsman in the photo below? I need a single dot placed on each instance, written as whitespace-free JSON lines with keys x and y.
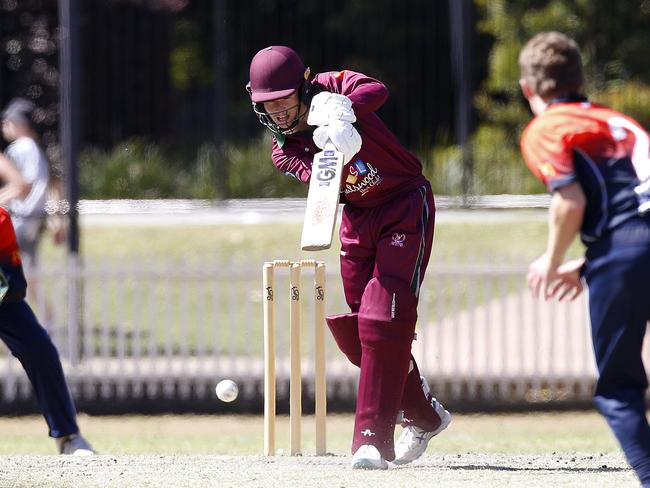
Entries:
{"x":32,"y":346}
{"x":591,"y":159}
{"x":386,"y":237}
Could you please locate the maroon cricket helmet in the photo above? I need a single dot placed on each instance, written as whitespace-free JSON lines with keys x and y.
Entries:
{"x":275,"y":72}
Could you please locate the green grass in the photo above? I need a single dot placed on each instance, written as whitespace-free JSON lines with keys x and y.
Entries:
{"x":534,"y":433}
{"x":509,"y":240}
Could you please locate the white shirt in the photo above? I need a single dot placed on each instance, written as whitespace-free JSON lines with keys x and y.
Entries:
{"x":32,"y":164}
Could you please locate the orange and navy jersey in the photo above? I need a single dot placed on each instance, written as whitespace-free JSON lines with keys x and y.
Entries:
{"x":9,"y":253}
{"x":595,"y":146}
{"x":10,"y":263}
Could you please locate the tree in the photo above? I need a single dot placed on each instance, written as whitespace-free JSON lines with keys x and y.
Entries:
{"x":29,"y":63}
{"x":613,"y":37}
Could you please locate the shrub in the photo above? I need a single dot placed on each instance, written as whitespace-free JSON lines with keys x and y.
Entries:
{"x":140,"y":169}
{"x":133,"y":169}
{"x":251,"y":173}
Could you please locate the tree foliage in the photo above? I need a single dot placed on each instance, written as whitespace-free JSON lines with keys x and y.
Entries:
{"x":29,"y":63}
{"x":613,"y":37}
{"x":151,"y":79}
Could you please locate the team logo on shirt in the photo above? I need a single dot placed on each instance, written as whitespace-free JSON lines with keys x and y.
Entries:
{"x":353,"y":176}
{"x":360,"y":167}
{"x":618,"y":132}
{"x":399,"y":240}
{"x":355,"y":170}
{"x":362,"y":177}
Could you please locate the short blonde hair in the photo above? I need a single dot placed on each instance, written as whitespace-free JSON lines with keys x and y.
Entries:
{"x":551,"y":64}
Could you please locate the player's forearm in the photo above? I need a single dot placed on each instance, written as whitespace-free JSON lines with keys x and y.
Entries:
{"x":12,"y":190}
{"x":367,"y":94}
{"x":14,"y":184}
{"x":8,"y":193}
{"x":298,"y":166}
{"x":15,"y":189}
{"x":565,"y":219}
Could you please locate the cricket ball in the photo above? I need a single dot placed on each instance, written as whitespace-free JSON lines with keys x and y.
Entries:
{"x":226,"y":390}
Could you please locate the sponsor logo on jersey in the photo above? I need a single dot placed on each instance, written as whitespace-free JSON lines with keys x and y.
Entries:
{"x":353,"y":175}
{"x":354,"y":170}
{"x":370,"y":178}
{"x":618,"y":132}
{"x":360,"y":167}
{"x":367,"y":433}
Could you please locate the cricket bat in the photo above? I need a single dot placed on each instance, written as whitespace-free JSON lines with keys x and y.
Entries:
{"x":322,"y":199}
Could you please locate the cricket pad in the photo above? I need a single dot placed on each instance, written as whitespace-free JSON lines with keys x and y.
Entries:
{"x":386,"y":319}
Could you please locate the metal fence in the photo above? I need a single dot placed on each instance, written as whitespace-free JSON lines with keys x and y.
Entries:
{"x":149,"y":335}
{"x":145,"y":337}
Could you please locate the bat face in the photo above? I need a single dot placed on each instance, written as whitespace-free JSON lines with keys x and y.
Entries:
{"x":322,"y":200}
{"x":325,"y":170}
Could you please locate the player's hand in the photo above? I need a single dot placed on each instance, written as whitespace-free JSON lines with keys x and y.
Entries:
{"x":56,"y":225}
{"x":542,"y":274}
{"x":569,"y":283}
{"x":343,"y":135}
{"x":328,"y":107}
{"x":59,"y":236}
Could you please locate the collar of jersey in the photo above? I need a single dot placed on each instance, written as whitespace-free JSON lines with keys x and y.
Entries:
{"x":569,"y":99}
{"x":280,"y":138}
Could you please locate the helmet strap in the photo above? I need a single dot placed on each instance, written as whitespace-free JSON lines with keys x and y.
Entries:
{"x":267,"y":121}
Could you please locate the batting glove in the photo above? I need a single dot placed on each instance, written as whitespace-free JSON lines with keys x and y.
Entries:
{"x":328,"y":107}
{"x":343,"y":135}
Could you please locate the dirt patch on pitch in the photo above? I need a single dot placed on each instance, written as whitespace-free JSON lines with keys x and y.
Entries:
{"x":331,"y":471}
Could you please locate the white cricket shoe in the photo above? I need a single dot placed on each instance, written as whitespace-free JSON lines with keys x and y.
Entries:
{"x":368,"y":457}
{"x":414,"y":440}
{"x":74,"y":445}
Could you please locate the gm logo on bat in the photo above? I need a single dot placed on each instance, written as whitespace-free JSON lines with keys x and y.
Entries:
{"x":325,"y":172}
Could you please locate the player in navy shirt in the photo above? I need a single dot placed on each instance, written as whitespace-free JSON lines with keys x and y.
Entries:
{"x":591,"y":158}
{"x":386,"y":237}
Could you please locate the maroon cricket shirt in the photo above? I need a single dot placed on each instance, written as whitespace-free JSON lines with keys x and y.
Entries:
{"x":386,"y":230}
{"x":382,"y":170}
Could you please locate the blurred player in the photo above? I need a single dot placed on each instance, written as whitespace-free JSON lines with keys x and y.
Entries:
{"x":586,"y":155}
{"x":28,"y":207}
{"x":31,"y":344}
{"x":27,"y":203}
{"x":386,"y":238}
